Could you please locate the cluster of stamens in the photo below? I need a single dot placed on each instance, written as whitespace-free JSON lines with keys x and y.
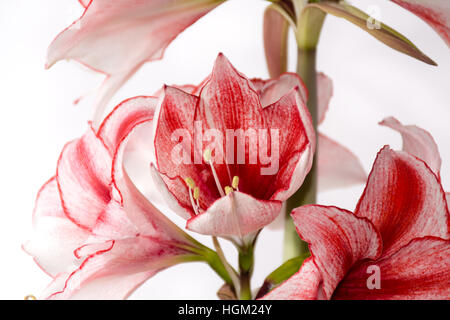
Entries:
{"x":194,"y":191}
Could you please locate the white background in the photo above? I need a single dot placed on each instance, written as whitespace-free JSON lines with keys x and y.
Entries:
{"x":371,"y":82}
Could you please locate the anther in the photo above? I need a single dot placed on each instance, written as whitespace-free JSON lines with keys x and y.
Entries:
{"x":190,"y":182}
{"x":196,"y":193}
{"x":235,"y":182}
{"x":228,"y":190}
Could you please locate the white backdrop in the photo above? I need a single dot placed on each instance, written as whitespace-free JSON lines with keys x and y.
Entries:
{"x":371,"y":82}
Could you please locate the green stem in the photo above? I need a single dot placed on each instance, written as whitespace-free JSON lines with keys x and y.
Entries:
{"x":246,"y":261}
{"x":293,"y":245}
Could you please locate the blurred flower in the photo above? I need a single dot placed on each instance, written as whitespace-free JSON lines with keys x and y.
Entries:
{"x":117,"y":38}
{"x":395,"y":246}
{"x":94,"y":232}
{"x":222,"y":197}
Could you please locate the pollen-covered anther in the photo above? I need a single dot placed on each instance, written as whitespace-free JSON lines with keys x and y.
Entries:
{"x":194,"y":193}
{"x":228,"y":190}
{"x":235,"y":183}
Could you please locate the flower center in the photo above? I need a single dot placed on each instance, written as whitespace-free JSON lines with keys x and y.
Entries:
{"x":194,"y":191}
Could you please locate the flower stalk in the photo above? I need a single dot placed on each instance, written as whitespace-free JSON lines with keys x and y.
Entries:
{"x":309,"y":25}
{"x":246,"y":261}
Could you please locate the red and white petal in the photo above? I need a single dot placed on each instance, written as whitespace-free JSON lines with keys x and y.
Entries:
{"x":142,"y":28}
{"x":124,"y":117}
{"x":306,"y":284}
{"x":276,"y":30}
{"x":132,"y":259}
{"x":84,"y":177}
{"x":417,"y":142}
{"x":338,"y":239}
{"x":54,"y":237}
{"x":175,"y":114}
{"x":404,"y":200}
{"x":434,"y":12}
{"x":420,"y":270}
{"x":228,"y":100}
{"x":447,"y":196}
{"x":324,"y":95}
{"x":236,"y":214}
{"x":291,"y":118}
{"x":337,"y":166}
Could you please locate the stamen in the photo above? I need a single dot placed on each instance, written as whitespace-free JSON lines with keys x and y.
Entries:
{"x":228,"y":190}
{"x":196,"y":193}
{"x":207,"y":158}
{"x":191,"y":185}
{"x":30,"y":297}
{"x":235,"y":182}
{"x":190,"y":182}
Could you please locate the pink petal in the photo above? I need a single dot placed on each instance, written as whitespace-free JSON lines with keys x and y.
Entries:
{"x":434,"y":12}
{"x":296,"y":145}
{"x":324,"y":94}
{"x":270,"y":91}
{"x":54,"y":237}
{"x":236,"y":214}
{"x":404,"y":200}
{"x":142,"y":28}
{"x":420,"y":270}
{"x":337,"y":240}
{"x":128,"y":261}
{"x":276,"y":30}
{"x":417,"y":142}
{"x":447,"y":196}
{"x":337,"y":166}
{"x":304,"y":285}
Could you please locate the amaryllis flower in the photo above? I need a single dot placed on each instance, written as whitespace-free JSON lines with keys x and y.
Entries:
{"x":210,"y":187}
{"x":394,"y":246}
{"x":117,"y":37}
{"x":434,"y":12}
{"x":94,"y":232}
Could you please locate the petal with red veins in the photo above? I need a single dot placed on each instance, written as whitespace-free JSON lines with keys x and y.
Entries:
{"x":420,"y":270}
{"x":337,"y":166}
{"x":142,"y":28}
{"x":417,"y":142}
{"x":84,"y":3}
{"x":434,"y":12}
{"x":295,"y":146}
{"x":84,"y":176}
{"x":337,"y":240}
{"x":54,"y":237}
{"x":236,"y":214}
{"x":228,"y":100}
{"x":175,"y":114}
{"x":129,"y":261}
{"x":306,"y":284}
{"x":124,"y":117}
{"x":324,"y":94}
{"x":404,"y":200}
